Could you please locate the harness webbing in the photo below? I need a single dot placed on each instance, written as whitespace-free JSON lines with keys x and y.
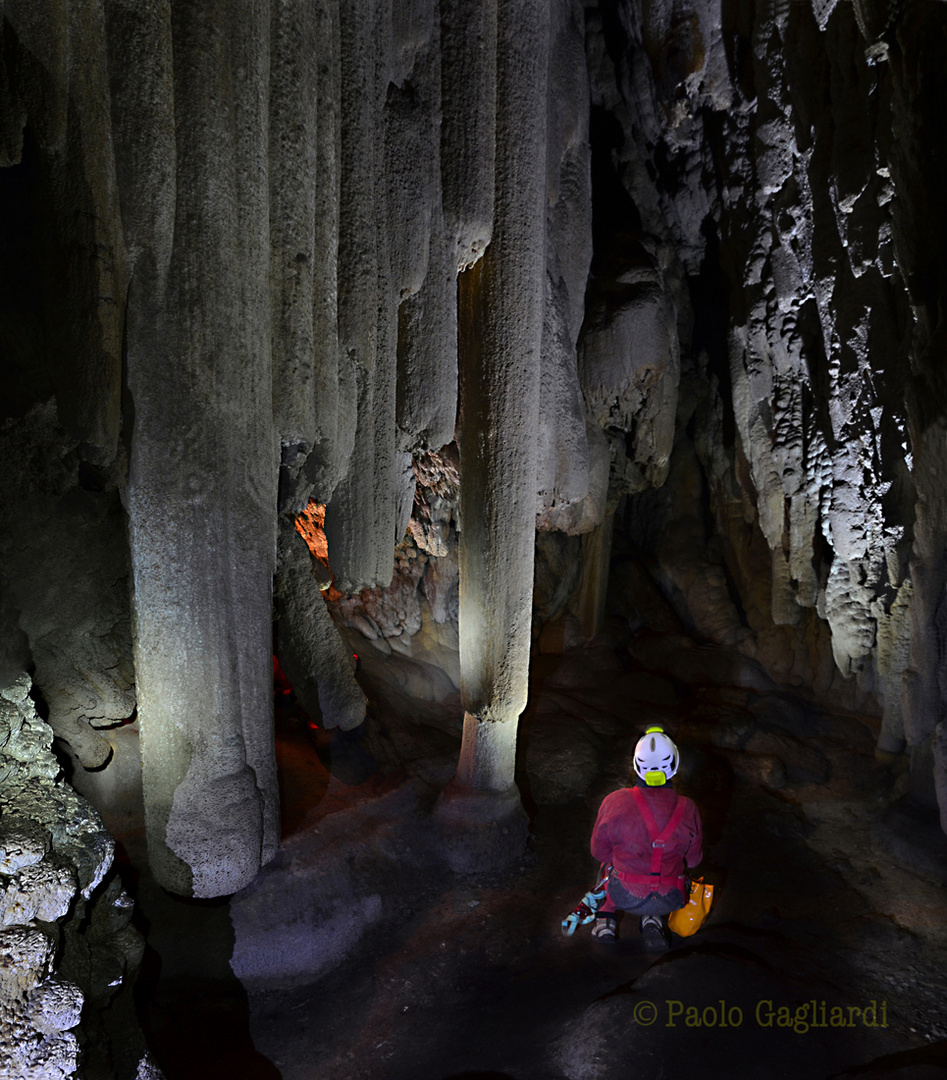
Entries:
{"x":655,"y":880}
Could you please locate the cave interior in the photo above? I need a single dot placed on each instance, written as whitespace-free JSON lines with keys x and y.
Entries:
{"x":405,"y":404}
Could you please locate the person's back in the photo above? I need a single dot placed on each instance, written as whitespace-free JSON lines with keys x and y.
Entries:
{"x":648,"y":834}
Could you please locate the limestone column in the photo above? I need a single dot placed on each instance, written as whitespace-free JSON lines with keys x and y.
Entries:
{"x":201,"y":492}
{"x":501,"y":301}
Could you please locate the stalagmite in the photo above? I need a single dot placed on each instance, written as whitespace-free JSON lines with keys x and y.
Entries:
{"x":501,"y":318}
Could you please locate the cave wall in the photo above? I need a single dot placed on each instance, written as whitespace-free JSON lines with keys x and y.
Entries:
{"x":779,"y":159}
{"x":261,"y":254}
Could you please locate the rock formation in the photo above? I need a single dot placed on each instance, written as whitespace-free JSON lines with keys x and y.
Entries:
{"x":66,"y":939}
{"x":678,"y":266}
{"x":797,"y":206}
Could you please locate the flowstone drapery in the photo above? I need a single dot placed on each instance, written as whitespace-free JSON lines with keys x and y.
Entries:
{"x":263,"y":210}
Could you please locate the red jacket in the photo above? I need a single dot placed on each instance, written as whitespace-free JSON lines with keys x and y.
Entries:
{"x":621,"y":837}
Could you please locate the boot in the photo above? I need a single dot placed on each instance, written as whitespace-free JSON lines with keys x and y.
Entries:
{"x":605,"y":928}
{"x":653,"y":935}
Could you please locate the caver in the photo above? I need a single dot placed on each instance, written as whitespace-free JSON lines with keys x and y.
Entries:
{"x":648,"y":833}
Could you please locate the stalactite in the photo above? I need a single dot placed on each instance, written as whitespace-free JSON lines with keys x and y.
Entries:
{"x":563,"y":452}
{"x":203,"y":463}
{"x":468,"y":136}
{"x":423,"y":270}
{"x":366,"y":515}
{"x":293,"y":148}
{"x":334,"y":383}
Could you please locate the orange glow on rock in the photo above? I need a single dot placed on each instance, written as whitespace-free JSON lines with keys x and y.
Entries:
{"x":311,"y":527}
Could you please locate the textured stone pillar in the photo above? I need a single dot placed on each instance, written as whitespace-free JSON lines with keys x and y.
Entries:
{"x":468,"y":135}
{"x":368,"y":511}
{"x":201,"y":490}
{"x":501,"y":301}
{"x":313,"y":402}
{"x":293,"y":151}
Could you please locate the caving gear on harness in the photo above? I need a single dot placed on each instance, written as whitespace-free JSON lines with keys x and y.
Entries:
{"x":584,"y":911}
{"x":652,"y":934}
{"x":656,"y":757}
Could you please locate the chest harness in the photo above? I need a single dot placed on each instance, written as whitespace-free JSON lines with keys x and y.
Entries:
{"x":654,"y":880}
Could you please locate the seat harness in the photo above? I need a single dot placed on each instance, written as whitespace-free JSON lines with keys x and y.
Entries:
{"x":655,"y":881}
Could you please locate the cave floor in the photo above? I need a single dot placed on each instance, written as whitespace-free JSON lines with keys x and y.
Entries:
{"x":476,"y":980}
{"x":481,"y":982}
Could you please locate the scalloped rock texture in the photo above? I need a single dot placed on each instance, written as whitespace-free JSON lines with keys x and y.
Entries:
{"x":61,"y":926}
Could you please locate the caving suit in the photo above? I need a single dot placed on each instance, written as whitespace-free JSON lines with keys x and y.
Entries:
{"x":640,"y":882}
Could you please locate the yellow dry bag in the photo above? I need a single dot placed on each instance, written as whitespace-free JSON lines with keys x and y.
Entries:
{"x":689,"y":919}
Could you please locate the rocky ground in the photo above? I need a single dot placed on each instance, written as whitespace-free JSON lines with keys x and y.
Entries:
{"x":814,"y":923}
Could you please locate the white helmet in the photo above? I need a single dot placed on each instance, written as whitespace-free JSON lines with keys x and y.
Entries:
{"x":656,"y":757}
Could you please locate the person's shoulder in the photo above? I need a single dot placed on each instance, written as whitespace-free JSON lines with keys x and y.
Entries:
{"x":621,"y":795}
{"x":690,"y":805}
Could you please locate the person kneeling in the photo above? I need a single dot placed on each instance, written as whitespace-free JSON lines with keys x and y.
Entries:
{"x":649,"y":834}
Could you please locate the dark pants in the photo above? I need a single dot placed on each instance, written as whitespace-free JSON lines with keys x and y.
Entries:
{"x":619,"y":899}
